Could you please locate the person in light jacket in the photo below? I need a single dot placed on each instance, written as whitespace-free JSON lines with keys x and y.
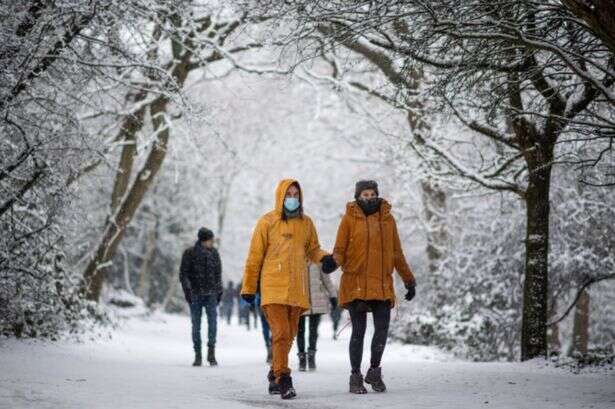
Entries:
{"x":323,"y":298}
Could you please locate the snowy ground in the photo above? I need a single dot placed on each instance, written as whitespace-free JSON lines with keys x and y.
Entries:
{"x":147,"y":365}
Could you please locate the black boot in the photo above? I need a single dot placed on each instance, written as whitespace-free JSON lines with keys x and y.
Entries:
{"x":211,"y":356}
{"x":312,"y":360}
{"x":356,"y":384}
{"x":269,"y":355}
{"x":302,"y":361}
{"x":286,"y":387}
{"x":198,"y":359}
{"x":274,"y":388}
{"x":374,"y":378}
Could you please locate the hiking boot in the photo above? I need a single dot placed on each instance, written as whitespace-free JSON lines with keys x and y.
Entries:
{"x":274,"y":388}
{"x":374,"y":378}
{"x":312,"y":360}
{"x":302,"y":361}
{"x":198,"y":359}
{"x":286,"y":387}
{"x":211,"y":356}
{"x":269,"y":355}
{"x":356,"y":384}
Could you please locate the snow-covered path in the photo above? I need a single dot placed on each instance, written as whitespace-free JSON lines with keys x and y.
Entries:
{"x":147,"y":365}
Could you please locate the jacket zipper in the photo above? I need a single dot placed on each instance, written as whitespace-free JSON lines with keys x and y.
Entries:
{"x":309,"y":279}
{"x":382,"y":257}
{"x":366,"y":258}
{"x":303,"y":279}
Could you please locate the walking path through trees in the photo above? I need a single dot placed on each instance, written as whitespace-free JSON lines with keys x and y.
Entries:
{"x":146,"y":364}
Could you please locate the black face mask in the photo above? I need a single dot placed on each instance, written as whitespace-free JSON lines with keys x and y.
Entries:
{"x":369,"y":206}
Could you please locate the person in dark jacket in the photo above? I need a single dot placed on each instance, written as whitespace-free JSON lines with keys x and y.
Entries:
{"x":228,"y":300}
{"x":200,"y":275}
{"x":238,"y":303}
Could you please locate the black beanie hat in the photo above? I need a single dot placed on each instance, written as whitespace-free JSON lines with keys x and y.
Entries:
{"x":365,"y":185}
{"x":205,"y":234}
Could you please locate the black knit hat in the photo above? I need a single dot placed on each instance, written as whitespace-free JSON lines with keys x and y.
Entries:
{"x":205,"y":234}
{"x":365,"y":185}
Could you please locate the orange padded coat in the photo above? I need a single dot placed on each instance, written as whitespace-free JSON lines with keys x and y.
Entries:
{"x":367,"y":249}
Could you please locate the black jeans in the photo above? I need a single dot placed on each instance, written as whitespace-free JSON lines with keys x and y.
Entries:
{"x":313,"y":337}
{"x":381,"y":311}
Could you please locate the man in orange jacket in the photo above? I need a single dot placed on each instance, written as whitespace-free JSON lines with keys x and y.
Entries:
{"x":283,"y":240}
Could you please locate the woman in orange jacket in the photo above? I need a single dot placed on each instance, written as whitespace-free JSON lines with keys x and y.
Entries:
{"x":368,"y":248}
{"x":282,"y":242}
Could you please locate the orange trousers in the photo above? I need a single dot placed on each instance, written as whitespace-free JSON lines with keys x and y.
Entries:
{"x":284,"y":323}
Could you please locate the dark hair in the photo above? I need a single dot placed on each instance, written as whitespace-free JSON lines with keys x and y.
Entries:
{"x":205,"y":234}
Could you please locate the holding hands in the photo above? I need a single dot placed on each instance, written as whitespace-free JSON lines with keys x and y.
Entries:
{"x":328,"y":264}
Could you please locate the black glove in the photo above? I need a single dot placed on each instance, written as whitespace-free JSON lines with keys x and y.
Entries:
{"x":219,"y":298}
{"x":411,"y":291}
{"x":328,"y":264}
{"x":188,"y":295}
{"x":333,"y":301}
{"x":249,"y":298}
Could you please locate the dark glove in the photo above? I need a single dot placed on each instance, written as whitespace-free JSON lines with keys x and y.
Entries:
{"x":188,"y":295}
{"x":333,"y":301}
{"x":219,"y":298}
{"x":249,"y":298}
{"x":328,"y":264}
{"x":411,"y":291}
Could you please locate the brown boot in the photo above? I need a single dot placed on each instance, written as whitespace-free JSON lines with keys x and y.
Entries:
{"x":211,"y":356}
{"x":287,"y":391}
{"x":274,"y":388}
{"x":198,"y":359}
{"x":374,"y":378}
{"x":356,"y":384}
{"x":302,"y":361}
{"x":312,"y":360}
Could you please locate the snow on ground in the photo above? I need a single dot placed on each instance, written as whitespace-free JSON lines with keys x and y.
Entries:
{"x":147,"y":365}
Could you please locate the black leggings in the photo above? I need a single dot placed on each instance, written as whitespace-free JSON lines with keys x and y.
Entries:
{"x":313,"y":337}
{"x":381,"y":312}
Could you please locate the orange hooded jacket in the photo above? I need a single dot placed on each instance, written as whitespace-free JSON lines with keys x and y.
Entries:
{"x":367,"y":249}
{"x":278,"y":255}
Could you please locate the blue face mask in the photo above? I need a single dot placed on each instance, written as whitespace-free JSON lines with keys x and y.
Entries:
{"x":291,"y":204}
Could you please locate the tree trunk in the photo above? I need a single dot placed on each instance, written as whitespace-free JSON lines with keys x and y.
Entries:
{"x":131,"y":125}
{"x":94,"y":274}
{"x":434,"y":206}
{"x":596,"y":14}
{"x":148,"y":259}
{"x":173,"y":280}
{"x":182,"y":53}
{"x":580,"y":331}
{"x":553,"y":330}
{"x":126,"y":270}
{"x":536,"y":284}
